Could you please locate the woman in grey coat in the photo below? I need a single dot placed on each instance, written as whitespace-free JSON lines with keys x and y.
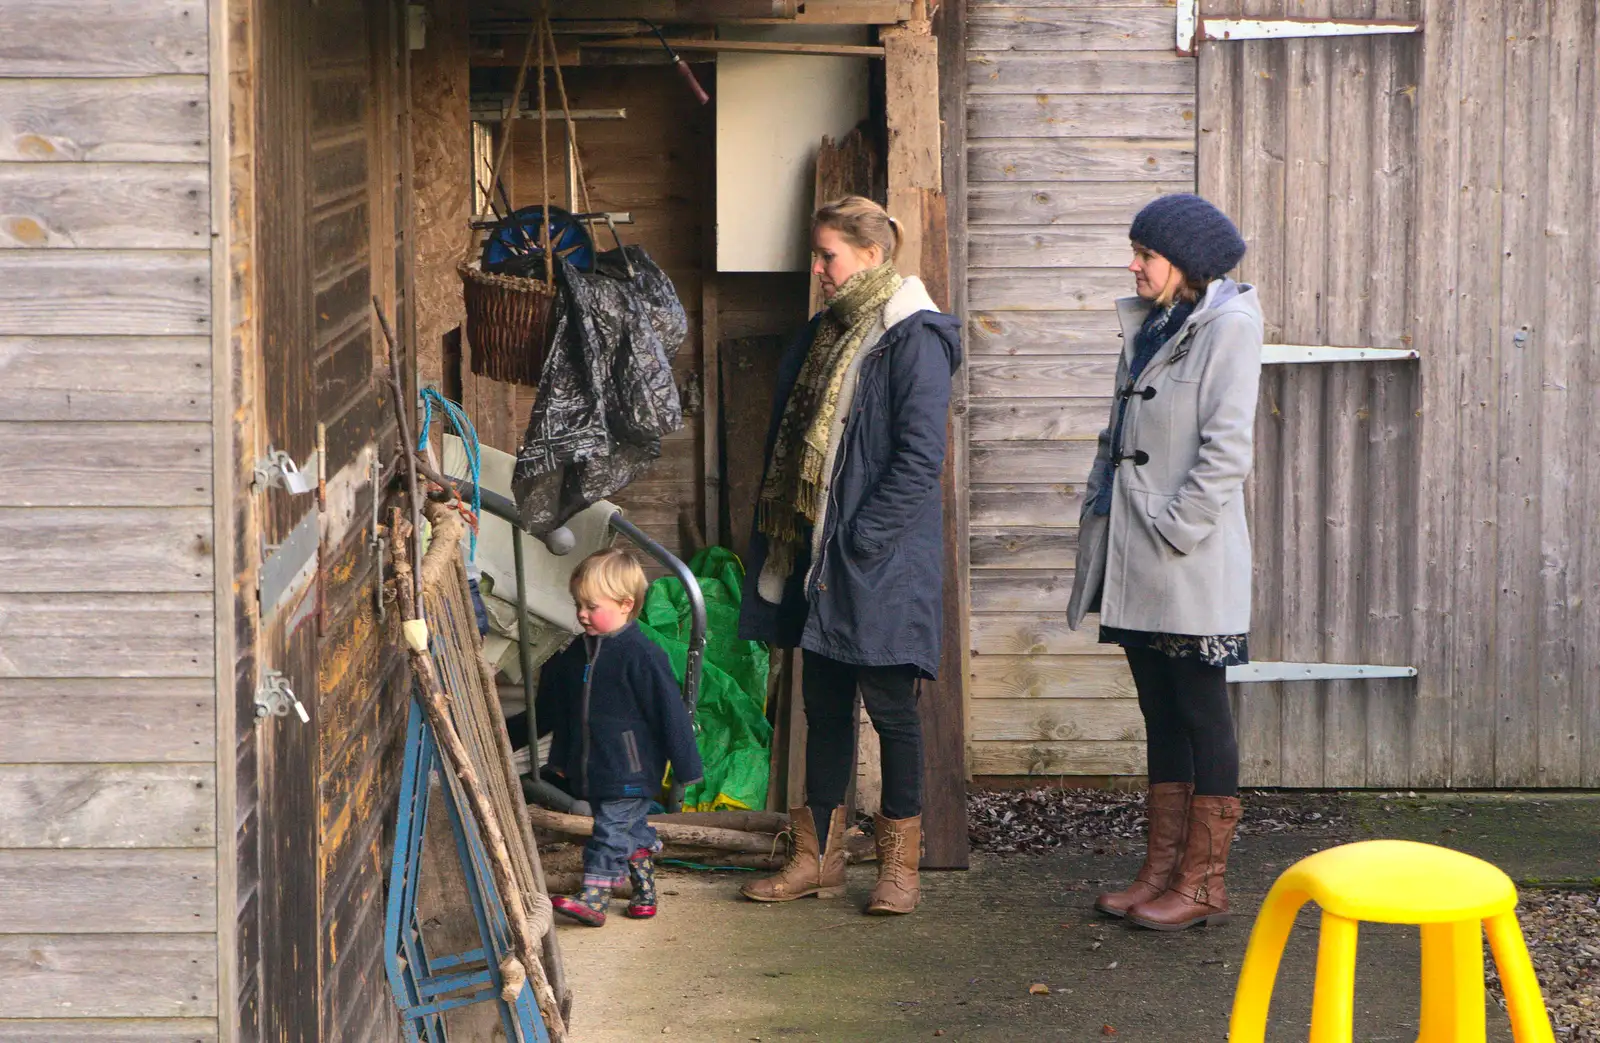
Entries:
{"x":1164,"y":551}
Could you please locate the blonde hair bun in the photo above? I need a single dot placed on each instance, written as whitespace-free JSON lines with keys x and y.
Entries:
{"x":862,"y":223}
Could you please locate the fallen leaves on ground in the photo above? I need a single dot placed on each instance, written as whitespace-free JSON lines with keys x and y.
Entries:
{"x":1562,"y":930}
{"x":1038,"y":989}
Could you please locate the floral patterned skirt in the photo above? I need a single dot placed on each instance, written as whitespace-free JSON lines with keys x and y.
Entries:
{"x":1221,"y":650}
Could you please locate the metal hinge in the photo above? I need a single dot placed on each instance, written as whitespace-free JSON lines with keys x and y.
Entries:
{"x":1193,"y":27}
{"x":1280,"y":354}
{"x":278,"y":469}
{"x":275,"y":698}
{"x":1252,"y":672}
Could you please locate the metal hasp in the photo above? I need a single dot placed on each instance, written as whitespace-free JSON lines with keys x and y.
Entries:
{"x":1193,"y":28}
{"x":1256,"y":672}
{"x":502,"y":507}
{"x":426,"y":985}
{"x":274,"y":698}
{"x":288,"y":566}
{"x":278,"y":470}
{"x":1282,"y":354}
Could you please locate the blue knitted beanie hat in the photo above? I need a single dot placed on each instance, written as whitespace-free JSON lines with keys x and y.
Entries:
{"x":1191,"y":233}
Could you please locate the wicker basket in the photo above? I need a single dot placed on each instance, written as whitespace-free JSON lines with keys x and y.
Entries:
{"x":508,"y":324}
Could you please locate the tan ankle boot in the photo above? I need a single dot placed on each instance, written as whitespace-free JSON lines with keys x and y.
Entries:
{"x":899,"y":852}
{"x":1166,"y":816}
{"x":811,"y":870}
{"x":1198,"y":893}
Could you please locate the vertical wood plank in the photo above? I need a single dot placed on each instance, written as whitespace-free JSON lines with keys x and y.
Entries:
{"x":1346,"y":418}
{"x":1478,"y":470}
{"x":1435,"y":317}
{"x":1521,"y":336}
{"x":1569,"y":196}
{"x":1589,"y":556}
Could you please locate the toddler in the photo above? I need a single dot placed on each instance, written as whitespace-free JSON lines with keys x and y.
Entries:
{"x":617,"y":718}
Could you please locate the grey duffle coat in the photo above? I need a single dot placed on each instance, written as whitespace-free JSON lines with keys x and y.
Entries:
{"x":1173,"y":556}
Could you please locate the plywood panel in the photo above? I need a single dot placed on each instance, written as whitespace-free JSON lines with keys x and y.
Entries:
{"x":106,"y":635}
{"x":159,"y":119}
{"x":105,"y":292}
{"x":106,"y":465}
{"x":109,"y":975}
{"x":108,"y":892}
{"x":131,"y":721}
{"x":107,"y":805}
{"x":1080,"y":159}
{"x":106,"y":205}
{"x":163,"y":549}
{"x":105,"y":378}
{"x":1057,"y":758}
{"x":1116,"y":72}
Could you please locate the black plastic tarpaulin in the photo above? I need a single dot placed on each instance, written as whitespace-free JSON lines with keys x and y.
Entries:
{"x":606,"y":394}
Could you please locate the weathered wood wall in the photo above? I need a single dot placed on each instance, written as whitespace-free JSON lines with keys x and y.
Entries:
{"x":318,"y":177}
{"x":1436,"y":191}
{"x":108,"y":783}
{"x":1311,"y":146}
{"x":1077,"y":115}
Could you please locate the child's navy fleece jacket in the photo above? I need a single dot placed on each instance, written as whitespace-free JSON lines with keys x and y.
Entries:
{"x":617,"y":717}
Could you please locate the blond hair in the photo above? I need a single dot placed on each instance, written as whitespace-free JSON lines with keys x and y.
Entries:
{"x":611,"y":574}
{"x":862,"y":223}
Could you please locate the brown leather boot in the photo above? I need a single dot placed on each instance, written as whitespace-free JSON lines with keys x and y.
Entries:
{"x":899,"y":851}
{"x":1166,"y":815}
{"x":811,"y":870}
{"x":1197,"y":893}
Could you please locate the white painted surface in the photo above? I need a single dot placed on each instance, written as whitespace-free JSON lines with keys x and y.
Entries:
{"x":772,"y":112}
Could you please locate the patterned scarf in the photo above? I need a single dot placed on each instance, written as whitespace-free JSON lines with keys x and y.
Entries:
{"x":795,"y":488}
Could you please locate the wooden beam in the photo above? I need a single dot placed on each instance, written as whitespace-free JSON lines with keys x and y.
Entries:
{"x":826,"y":50}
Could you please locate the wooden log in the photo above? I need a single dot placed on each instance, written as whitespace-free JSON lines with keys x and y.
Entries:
{"x":745,"y":821}
{"x":676,"y":832}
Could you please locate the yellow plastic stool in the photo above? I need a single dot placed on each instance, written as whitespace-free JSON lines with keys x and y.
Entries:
{"x":1448,"y":894}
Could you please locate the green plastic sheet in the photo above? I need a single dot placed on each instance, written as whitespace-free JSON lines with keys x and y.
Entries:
{"x":731,"y":714}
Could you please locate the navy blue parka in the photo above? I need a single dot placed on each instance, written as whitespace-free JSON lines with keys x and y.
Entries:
{"x":877,"y":596}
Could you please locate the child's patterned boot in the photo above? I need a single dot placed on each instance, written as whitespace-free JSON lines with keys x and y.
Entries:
{"x":588,"y":906}
{"x":643,"y":873}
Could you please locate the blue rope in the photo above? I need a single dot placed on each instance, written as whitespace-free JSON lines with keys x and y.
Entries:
{"x":469,"y":439}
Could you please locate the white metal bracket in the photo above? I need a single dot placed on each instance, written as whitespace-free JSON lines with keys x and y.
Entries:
{"x":1280,"y":354}
{"x":275,"y":698}
{"x":1258,"y":672}
{"x":1193,"y":28}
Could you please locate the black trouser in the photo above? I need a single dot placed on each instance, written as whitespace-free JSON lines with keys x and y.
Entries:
{"x":890,"y":695}
{"x":1188,"y":722}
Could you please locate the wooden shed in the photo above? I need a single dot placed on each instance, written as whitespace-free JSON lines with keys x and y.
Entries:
{"x":199,"y":199}
{"x":1414,"y":178}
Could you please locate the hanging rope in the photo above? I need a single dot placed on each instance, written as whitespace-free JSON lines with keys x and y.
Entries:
{"x":469,"y":440}
{"x":566,"y":112}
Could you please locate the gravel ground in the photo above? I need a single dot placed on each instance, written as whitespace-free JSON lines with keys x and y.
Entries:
{"x":1104,"y":822}
{"x":1562,"y":929}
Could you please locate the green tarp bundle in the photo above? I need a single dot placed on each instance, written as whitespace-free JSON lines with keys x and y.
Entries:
{"x":734,"y":734}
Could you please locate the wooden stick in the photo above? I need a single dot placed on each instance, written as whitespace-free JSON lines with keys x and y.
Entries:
{"x":672,"y":832}
{"x":436,"y":704}
{"x":406,"y":446}
{"x":747,"y":821}
{"x":516,"y":100}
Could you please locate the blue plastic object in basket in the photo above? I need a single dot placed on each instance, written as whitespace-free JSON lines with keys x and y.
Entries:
{"x":515,"y":242}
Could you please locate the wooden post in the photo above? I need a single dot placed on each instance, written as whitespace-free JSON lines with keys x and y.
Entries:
{"x":914,"y":106}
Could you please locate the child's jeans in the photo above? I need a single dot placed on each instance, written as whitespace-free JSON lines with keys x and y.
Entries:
{"x":620,"y":829}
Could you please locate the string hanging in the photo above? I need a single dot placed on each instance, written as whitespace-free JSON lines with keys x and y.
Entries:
{"x":469,"y":440}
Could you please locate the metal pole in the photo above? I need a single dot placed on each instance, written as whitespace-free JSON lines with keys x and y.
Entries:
{"x":525,"y":650}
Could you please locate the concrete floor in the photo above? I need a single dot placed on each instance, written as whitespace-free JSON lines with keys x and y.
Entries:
{"x":712,"y":967}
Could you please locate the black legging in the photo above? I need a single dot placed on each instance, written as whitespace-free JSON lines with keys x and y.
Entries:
{"x":1188,"y":722}
{"x":890,"y":695}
